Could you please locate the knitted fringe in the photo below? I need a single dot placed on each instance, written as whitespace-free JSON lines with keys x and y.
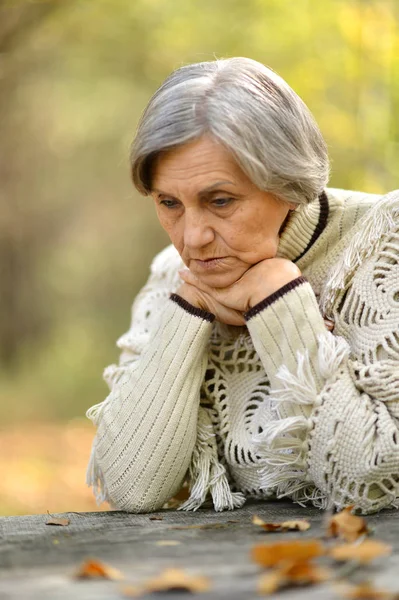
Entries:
{"x":94,"y":413}
{"x":379,"y":220}
{"x":284,"y":444}
{"x":207,"y":474}
{"x":94,"y":475}
{"x":95,"y":478}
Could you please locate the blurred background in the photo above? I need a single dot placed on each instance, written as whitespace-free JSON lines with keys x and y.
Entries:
{"x":76,"y":240}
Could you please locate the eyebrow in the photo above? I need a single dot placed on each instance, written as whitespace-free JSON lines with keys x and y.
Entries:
{"x":207,"y":190}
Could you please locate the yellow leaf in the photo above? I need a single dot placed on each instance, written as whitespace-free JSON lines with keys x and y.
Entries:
{"x":292,"y":573}
{"x":298,"y":525}
{"x":269,"y":555}
{"x":270,"y":583}
{"x":94,"y":569}
{"x":175,"y":579}
{"x":364,"y":552}
{"x":366,"y":591}
{"x":347,"y":526}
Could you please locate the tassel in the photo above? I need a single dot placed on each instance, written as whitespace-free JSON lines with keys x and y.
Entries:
{"x":206,"y":472}
{"x":95,"y":478}
{"x":94,"y":413}
{"x":332,"y":352}
{"x":300,"y":386}
{"x":283,"y":444}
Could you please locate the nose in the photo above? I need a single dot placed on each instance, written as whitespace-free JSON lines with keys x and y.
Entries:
{"x":198,"y":231}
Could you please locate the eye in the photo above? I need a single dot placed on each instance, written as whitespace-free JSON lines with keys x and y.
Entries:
{"x":222,"y":201}
{"x":169,"y":203}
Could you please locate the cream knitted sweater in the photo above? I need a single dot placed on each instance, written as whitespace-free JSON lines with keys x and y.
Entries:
{"x":281,"y":407}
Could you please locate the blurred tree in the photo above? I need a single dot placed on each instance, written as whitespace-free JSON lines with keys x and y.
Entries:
{"x":22,"y":231}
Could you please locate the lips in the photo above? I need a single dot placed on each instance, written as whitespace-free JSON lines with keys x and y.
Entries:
{"x":208,"y":263}
{"x":209,"y":259}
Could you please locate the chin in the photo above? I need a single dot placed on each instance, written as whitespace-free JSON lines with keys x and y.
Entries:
{"x":220,"y":280}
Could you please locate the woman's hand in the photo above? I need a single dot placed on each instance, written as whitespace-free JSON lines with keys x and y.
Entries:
{"x":257,"y":283}
{"x":205,"y":301}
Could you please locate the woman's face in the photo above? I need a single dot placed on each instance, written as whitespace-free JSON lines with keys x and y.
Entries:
{"x":218,"y":220}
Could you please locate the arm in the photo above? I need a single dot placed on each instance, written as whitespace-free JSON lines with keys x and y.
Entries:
{"x":146,"y":428}
{"x":339,"y":416}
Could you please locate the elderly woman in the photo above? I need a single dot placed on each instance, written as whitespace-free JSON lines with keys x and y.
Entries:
{"x":263,"y":354}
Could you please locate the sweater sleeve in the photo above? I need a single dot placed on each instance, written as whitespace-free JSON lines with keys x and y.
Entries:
{"x":337,"y":438}
{"x":146,"y":427}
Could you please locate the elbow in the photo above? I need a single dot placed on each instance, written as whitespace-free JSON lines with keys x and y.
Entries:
{"x":123,"y":496}
{"x":135,"y":502}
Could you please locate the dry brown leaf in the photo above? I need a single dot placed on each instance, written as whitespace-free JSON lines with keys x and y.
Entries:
{"x":366,"y":591}
{"x":155,"y":518}
{"x":182,"y":495}
{"x":176,"y":579}
{"x":60,"y":522}
{"x":292,"y":573}
{"x":94,"y":569}
{"x":364,"y":552}
{"x":269,"y":555}
{"x":347,"y":526}
{"x":298,"y":525}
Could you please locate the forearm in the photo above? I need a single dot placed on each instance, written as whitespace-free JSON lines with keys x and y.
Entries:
{"x":340,"y":439}
{"x":147,"y":427}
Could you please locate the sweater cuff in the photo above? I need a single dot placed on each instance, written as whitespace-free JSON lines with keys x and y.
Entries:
{"x":193,"y":310}
{"x":286,"y":324}
{"x":273,"y":297}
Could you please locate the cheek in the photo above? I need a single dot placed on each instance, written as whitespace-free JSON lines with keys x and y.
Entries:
{"x":253,"y":240}
{"x":171,"y":228}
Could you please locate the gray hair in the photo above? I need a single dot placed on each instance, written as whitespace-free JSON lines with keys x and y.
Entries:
{"x":252,"y":111}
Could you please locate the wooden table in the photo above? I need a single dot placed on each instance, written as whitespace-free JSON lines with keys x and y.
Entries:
{"x":39,"y":561}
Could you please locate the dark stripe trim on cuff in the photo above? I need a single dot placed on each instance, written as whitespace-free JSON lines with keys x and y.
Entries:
{"x":275,"y":296}
{"x":193,"y":310}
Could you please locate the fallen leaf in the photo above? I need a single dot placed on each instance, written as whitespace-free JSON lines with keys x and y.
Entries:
{"x":364,"y":552}
{"x":182,"y":495}
{"x":270,"y":583}
{"x":94,"y":569}
{"x":269,"y":555}
{"x":233,"y":521}
{"x":366,"y":591}
{"x":347,"y":526}
{"x":60,"y":522}
{"x":130,"y":591}
{"x":175,"y":579}
{"x":292,"y":573}
{"x":298,"y":525}
{"x":155,"y":518}
{"x":167,"y":543}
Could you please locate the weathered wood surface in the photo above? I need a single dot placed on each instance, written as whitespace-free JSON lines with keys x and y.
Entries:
{"x":39,"y":561}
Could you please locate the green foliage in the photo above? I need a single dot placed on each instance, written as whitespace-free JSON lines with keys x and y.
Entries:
{"x":75,"y":77}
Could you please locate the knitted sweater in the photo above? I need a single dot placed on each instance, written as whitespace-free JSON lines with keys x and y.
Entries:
{"x":281,"y":407}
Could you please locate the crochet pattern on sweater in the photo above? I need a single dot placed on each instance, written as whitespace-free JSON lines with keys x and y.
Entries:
{"x":281,"y":407}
